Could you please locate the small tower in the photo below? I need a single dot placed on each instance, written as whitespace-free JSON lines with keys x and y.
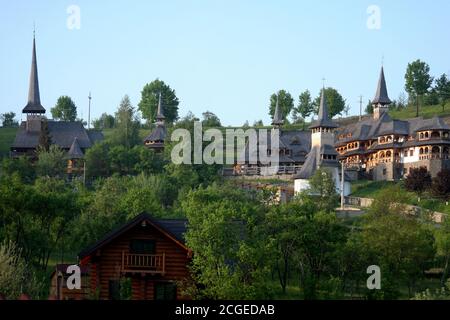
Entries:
{"x":381,"y":100}
{"x":75,"y":158}
{"x":277,"y":121}
{"x":34,"y":110}
{"x":322,"y":154}
{"x":323,"y":128}
{"x":155,"y":140}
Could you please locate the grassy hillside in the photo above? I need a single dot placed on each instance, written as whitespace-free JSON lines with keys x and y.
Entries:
{"x":7,"y":136}
{"x":426,"y":112}
{"x":371,"y":189}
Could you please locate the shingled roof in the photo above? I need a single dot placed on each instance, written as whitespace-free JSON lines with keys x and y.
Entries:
{"x":277,"y":116}
{"x":435,"y":123}
{"x":324,"y":120}
{"x":75,"y":150}
{"x":160,"y":112}
{"x":381,"y":95}
{"x":310,"y":165}
{"x":62,"y":134}
{"x":157,"y":135}
{"x":34,"y":99}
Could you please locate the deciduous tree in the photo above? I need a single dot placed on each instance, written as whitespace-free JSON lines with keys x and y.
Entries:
{"x":418,"y":80}
{"x":149,"y":101}
{"x":65,"y":109}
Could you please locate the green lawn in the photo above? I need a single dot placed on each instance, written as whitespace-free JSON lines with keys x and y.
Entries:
{"x":369,"y":189}
{"x":7,"y":136}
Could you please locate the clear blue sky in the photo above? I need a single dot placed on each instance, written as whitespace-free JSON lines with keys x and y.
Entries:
{"x":224,"y":56}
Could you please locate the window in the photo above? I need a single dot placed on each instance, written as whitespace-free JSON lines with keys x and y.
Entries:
{"x":165,"y":291}
{"x":142,"y":246}
{"x":384,"y":171}
{"x":405,"y":153}
{"x":411,"y":153}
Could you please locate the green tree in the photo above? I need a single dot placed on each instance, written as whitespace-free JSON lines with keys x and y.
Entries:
{"x":21,"y":166}
{"x":442,"y":237}
{"x":228,"y":262}
{"x":305,"y":105}
{"x":8,"y":120}
{"x":323,"y":185}
{"x":441,"y":184}
{"x":65,"y":109}
{"x":399,"y":243}
{"x":106,"y":121}
{"x":418,"y":180}
{"x":51,"y":163}
{"x":16,"y":276}
{"x":442,"y":87}
{"x":148,"y":161}
{"x":210,"y":120}
{"x":45,"y":139}
{"x":336,"y":103}
{"x":98,"y":163}
{"x":418,"y":80}
{"x":369,"y":107}
{"x":126,"y":131}
{"x":149,"y":101}
{"x":285,"y":103}
{"x":258,"y":124}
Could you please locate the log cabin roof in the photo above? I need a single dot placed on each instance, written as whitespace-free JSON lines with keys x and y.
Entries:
{"x":174,"y":229}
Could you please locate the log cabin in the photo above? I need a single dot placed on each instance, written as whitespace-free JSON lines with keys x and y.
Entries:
{"x":149,"y":255}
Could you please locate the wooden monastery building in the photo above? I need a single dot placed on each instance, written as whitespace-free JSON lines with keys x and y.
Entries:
{"x":378,"y":148}
{"x":386,"y":149}
{"x":70,"y":136}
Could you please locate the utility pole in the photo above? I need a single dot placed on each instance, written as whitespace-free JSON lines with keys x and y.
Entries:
{"x":360,"y":107}
{"x":342,"y":185}
{"x":89,"y":111}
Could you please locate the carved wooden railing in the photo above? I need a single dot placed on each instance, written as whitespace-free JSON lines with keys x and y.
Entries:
{"x":144,"y":263}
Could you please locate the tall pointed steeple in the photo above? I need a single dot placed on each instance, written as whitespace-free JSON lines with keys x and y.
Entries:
{"x":160,"y":112}
{"x":34,"y":99}
{"x":277,"y":117}
{"x":323,"y":120}
{"x":381,"y":95}
{"x":381,"y":99}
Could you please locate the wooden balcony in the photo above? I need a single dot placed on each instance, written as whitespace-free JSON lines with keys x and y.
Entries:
{"x":143,"y":263}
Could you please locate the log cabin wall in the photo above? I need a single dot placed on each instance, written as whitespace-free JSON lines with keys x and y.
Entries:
{"x":106,"y":264}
